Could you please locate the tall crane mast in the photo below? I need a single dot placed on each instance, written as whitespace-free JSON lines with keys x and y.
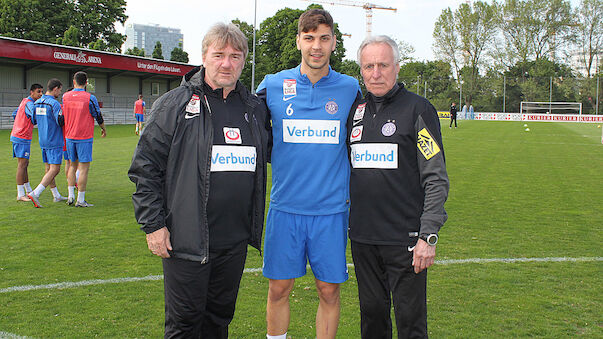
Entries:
{"x":368,"y":7}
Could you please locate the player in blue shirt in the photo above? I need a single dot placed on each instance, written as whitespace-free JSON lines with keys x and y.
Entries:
{"x":308,"y":215}
{"x":49,"y":117}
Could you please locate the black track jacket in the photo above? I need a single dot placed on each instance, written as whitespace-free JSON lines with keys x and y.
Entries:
{"x":389,"y":198}
{"x":171,"y":167}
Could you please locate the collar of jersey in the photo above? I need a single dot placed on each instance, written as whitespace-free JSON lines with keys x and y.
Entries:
{"x":304,"y":78}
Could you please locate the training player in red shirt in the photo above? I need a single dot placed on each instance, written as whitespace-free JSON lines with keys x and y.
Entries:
{"x":80,"y":108}
{"x":139,"y":113}
{"x":25,"y":119}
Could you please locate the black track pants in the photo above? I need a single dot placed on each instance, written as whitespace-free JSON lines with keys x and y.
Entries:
{"x":200,"y":298}
{"x":385,"y":272}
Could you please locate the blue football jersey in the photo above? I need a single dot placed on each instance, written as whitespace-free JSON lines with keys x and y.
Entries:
{"x":47,"y":110}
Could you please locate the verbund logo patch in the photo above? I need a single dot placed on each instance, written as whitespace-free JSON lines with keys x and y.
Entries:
{"x":384,"y":156}
{"x":233,"y":158}
{"x":302,"y":131}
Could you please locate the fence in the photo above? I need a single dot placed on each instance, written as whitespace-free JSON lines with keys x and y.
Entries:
{"x":112,"y":116}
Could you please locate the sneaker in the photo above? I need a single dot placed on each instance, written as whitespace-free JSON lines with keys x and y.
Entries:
{"x":59,"y":199}
{"x":23,"y":198}
{"x":70,"y":201}
{"x":83,"y":204}
{"x":35,"y":200}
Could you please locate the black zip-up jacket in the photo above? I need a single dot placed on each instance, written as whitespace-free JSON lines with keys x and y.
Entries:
{"x":391,"y":206}
{"x":171,"y":168}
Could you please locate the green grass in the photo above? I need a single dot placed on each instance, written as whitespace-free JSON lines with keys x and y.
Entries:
{"x":513,"y":194}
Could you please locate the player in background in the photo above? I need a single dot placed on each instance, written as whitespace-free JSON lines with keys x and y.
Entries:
{"x":80,"y":108}
{"x":308,"y":215}
{"x":20,"y":137}
{"x":139,"y":109}
{"x":49,"y":117}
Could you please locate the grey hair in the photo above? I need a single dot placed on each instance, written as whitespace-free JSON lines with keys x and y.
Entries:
{"x":225,"y":34}
{"x":380,"y":39}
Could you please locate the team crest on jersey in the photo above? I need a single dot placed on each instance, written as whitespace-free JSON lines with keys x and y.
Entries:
{"x":331,"y":107}
{"x":289,"y":87}
{"x":426,"y":144}
{"x":194,"y":105}
{"x":356,"y":133}
{"x":359,"y":114}
{"x":388,"y":129}
{"x":232,"y":135}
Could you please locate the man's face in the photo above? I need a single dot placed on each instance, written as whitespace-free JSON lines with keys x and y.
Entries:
{"x":223,"y":66}
{"x":36,"y":94}
{"x":316,"y":46}
{"x":56,"y":92}
{"x":378,"y":68}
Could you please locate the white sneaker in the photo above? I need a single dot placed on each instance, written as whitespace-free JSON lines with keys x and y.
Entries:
{"x":35,"y":200}
{"x":59,"y":199}
{"x":83,"y":204}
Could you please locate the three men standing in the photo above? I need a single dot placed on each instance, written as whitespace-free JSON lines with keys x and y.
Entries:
{"x":200,"y":175}
{"x":308,"y":215}
{"x":399,"y":186}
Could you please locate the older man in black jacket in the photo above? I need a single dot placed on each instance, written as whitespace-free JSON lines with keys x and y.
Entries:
{"x":200,"y":174}
{"x":398,"y":189}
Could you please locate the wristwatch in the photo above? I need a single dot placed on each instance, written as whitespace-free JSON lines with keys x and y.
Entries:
{"x":430,"y":239}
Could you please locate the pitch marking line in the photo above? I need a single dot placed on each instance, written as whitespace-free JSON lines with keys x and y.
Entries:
{"x":6,"y":335}
{"x":69,"y":284}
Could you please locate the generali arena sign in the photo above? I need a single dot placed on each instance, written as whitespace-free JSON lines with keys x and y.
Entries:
{"x":36,"y":51}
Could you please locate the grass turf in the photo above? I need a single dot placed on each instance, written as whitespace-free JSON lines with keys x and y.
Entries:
{"x":513,"y":194}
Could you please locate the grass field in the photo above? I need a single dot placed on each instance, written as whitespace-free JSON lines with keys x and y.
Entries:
{"x":514,"y":194}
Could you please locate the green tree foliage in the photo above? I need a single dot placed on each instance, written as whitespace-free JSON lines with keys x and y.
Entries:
{"x":157,"y":51}
{"x":50,"y":21}
{"x":589,"y":33}
{"x":352,"y":69}
{"x":135,"y":51}
{"x":436,"y":75}
{"x":247,"y":29}
{"x":178,"y":54}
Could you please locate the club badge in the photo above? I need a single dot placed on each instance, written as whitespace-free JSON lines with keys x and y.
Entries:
{"x":356,"y":134}
{"x":232,"y":135}
{"x":388,"y":129}
{"x":331,"y":107}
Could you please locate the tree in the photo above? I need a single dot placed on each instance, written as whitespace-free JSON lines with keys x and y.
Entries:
{"x":352,"y":69}
{"x":135,"y":51}
{"x":178,"y":54}
{"x":247,"y":30}
{"x":589,"y":32}
{"x":462,"y":37}
{"x":157,"y":51}
{"x":441,"y":88}
{"x":70,"y":38}
{"x":97,"y":18}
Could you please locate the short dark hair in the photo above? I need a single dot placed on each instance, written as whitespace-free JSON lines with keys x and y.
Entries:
{"x":53,"y":83}
{"x":35,"y":87}
{"x":139,"y":96}
{"x":80,"y":78}
{"x":310,"y":19}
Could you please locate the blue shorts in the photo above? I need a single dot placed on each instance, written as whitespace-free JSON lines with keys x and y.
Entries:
{"x":292,"y":240}
{"x":52,"y":155}
{"x":65,"y":155}
{"x":79,"y":151}
{"x":21,"y":150}
{"x":139,"y":117}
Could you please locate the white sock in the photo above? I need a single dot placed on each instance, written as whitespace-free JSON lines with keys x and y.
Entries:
{"x":39,"y":190}
{"x":81,"y":196}
{"x":27,"y":187}
{"x":71,"y":190}
{"x":282,"y":336}
{"x":20,"y":191}
{"x":77,"y":175}
{"x":55,"y":192}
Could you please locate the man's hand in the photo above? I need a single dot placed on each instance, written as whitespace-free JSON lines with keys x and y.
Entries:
{"x":159,"y":242}
{"x":103,"y":133}
{"x":423,"y":255}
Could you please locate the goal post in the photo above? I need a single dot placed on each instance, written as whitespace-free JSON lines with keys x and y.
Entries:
{"x":548,"y":107}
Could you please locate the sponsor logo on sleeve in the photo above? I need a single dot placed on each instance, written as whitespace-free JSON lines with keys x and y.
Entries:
{"x":427,"y":144}
{"x":359,"y":114}
{"x":301,"y":131}
{"x":232,"y":135}
{"x":233,"y":158}
{"x":383,"y":156}
{"x":193,"y":108}
{"x":356,"y":134}
{"x":40,"y":110}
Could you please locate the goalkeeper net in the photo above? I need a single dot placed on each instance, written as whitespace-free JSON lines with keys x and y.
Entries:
{"x":551,"y":107}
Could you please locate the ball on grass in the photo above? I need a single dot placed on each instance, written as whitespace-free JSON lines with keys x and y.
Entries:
{"x":527,"y":129}
{"x":525,"y":125}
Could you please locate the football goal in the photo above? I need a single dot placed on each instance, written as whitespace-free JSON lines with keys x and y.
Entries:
{"x":551,"y":107}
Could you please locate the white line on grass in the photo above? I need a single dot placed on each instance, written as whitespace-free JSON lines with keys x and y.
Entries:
{"x":69,"y":284}
{"x":6,"y":335}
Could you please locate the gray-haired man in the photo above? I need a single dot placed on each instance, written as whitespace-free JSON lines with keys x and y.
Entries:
{"x":200,"y":174}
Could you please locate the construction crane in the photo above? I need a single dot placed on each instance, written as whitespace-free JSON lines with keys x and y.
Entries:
{"x":368,"y":7}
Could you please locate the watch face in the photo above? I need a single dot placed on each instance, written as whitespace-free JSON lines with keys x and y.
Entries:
{"x":432,"y":239}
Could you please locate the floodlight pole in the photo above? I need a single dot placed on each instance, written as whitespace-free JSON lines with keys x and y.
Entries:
{"x":504,"y":93}
{"x":597,"y":104}
{"x":255,"y":11}
{"x":551,"y":96}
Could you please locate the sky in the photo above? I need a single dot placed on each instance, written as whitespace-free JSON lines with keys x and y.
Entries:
{"x":412,"y":23}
